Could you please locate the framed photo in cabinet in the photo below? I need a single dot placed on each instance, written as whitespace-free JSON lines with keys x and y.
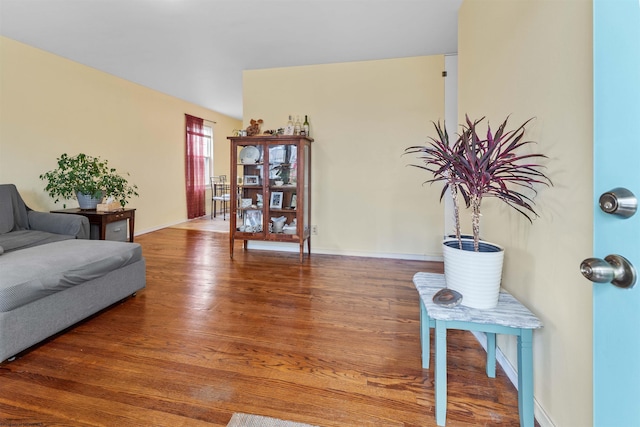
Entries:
{"x":293,"y":201}
{"x":251,"y":180}
{"x":277,"y":154}
{"x":276,"y":200}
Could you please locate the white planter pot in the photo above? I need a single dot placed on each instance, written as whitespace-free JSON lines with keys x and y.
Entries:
{"x":87,"y":201}
{"x":476,"y":275}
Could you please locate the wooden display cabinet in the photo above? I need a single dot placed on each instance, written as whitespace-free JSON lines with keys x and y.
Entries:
{"x":271,"y":179}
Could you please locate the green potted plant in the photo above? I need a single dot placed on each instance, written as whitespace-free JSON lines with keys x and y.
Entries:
{"x":474,"y":167}
{"x":89,"y":179}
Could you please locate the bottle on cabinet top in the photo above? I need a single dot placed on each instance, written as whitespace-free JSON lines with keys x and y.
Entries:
{"x":297,"y":126}
{"x":289,"y":129}
{"x":305,"y":126}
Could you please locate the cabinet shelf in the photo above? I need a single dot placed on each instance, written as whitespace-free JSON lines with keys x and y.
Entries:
{"x":281,"y":158}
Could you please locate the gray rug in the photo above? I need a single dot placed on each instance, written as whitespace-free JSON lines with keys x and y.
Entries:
{"x":247,"y":420}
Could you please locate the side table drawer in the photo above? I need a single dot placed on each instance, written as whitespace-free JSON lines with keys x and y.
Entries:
{"x":114,"y":231}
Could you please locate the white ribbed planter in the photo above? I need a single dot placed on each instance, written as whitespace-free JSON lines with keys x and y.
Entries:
{"x":476,"y":275}
{"x":87,"y":201}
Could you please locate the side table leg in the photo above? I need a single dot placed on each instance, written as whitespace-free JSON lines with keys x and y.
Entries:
{"x":132,"y":224}
{"x":491,"y":354}
{"x":424,"y":336}
{"x":525,"y":377}
{"x":441,"y":372}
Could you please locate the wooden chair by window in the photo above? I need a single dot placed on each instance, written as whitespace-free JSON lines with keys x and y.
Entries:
{"x":220,"y":193}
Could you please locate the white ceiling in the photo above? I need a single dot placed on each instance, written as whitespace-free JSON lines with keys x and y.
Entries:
{"x":196,"y":50}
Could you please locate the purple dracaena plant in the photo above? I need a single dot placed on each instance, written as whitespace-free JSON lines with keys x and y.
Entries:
{"x":473,"y":167}
{"x":490,"y":167}
{"x":438,"y":158}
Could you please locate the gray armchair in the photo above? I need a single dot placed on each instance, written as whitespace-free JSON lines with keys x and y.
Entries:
{"x":22,"y":227}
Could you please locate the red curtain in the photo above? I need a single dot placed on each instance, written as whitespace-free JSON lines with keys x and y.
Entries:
{"x":194,"y":167}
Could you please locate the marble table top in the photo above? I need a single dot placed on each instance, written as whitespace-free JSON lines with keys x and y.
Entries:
{"x":509,"y":311}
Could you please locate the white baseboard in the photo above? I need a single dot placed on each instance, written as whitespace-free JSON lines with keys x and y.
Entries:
{"x":539,"y":414}
{"x":288,"y":247}
{"x":160,"y":227}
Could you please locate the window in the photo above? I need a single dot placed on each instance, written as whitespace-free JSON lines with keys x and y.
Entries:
{"x":194,"y":171}
{"x":207,"y":142}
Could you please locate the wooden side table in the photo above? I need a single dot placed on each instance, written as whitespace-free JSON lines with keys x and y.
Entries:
{"x":101,"y":219}
{"x":509,"y":317}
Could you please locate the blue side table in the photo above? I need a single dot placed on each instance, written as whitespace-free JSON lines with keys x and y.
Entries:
{"x":509,"y":317}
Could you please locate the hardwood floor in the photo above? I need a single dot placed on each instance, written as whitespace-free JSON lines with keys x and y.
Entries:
{"x":206,"y":223}
{"x":333,"y":341}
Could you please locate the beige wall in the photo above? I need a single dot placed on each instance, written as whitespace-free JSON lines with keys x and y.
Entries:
{"x":535,"y":62}
{"x":365,"y":200}
{"x":50,"y":105}
{"x":533,"y":58}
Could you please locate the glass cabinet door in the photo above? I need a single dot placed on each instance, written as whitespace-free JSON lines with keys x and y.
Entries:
{"x":250,"y":195}
{"x":283,"y":184}
{"x":306,"y":190}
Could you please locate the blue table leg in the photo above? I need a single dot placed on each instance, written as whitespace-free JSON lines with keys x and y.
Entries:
{"x":525,"y":377}
{"x":491,"y":354}
{"x":441,"y":372}
{"x":425,"y":324}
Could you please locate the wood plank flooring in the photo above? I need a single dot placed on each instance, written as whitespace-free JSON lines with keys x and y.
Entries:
{"x":333,"y":341}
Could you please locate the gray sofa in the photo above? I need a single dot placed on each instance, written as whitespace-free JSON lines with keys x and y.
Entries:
{"x":52,"y":276}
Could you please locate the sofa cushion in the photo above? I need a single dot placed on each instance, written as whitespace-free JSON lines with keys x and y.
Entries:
{"x":23,"y":239}
{"x":57,"y":223}
{"x":6,"y":215}
{"x":13,"y":211}
{"x":33,"y":273}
